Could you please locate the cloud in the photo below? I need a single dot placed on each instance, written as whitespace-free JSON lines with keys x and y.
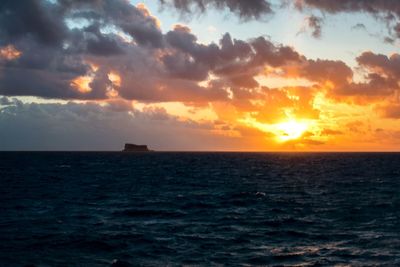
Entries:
{"x":390,"y":110}
{"x":163,"y":67}
{"x":356,"y":126}
{"x":371,"y":6}
{"x":151,"y":66}
{"x":52,"y":55}
{"x":234,"y":60}
{"x":331,"y":132}
{"x":334,"y":71}
{"x":375,"y":86}
{"x":388,"y":10}
{"x":9,"y":53}
{"x":359,"y":26}
{"x":315,"y":23}
{"x":31,"y":19}
{"x":381,"y":64}
{"x":381,"y":80}
{"x":391,"y":137}
{"x":245,"y":9}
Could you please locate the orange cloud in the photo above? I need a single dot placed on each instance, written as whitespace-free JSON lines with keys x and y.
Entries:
{"x":145,"y":11}
{"x":82,"y":84}
{"x":9,"y":52}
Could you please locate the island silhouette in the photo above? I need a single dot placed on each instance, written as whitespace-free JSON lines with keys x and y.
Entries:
{"x":136,"y":148}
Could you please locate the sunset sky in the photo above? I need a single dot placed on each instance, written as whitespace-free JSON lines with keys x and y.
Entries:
{"x":223,"y":75}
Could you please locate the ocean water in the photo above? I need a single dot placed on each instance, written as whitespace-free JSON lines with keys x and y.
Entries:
{"x":199,"y":209}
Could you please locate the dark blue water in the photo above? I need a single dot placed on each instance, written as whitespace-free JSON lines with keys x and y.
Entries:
{"x":157,"y":209}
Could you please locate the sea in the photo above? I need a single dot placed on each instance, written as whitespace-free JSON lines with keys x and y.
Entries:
{"x":199,"y":209}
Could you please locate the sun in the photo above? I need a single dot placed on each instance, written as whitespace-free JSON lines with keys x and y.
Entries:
{"x":290,"y":130}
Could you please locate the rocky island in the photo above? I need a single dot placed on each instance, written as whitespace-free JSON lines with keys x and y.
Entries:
{"x":136,"y":148}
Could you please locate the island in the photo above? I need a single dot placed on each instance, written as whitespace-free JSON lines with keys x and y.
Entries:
{"x":136,"y":148}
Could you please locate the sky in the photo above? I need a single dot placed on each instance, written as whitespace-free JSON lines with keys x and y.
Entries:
{"x":200,"y":75}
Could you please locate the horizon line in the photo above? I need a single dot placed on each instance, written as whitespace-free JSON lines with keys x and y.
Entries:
{"x":202,"y":151}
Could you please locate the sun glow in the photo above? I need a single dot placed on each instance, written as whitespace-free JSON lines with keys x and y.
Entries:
{"x":82,"y":84}
{"x":290,"y":130}
{"x":9,"y":52}
{"x":285,"y":131}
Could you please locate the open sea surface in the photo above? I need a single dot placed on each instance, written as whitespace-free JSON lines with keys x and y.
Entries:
{"x":199,"y":209}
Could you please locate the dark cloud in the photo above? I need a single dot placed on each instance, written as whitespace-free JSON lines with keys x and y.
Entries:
{"x":135,"y":21}
{"x":381,"y":79}
{"x":52,"y":55}
{"x":232,"y":49}
{"x":232,"y":58}
{"x":246,"y":81}
{"x":370,"y":6}
{"x":44,"y":72}
{"x":245,"y":9}
{"x":151,"y":66}
{"x":388,"y":10}
{"x":388,"y":40}
{"x":239,"y":62}
{"x":36,"y":19}
{"x":315,"y":24}
{"x":35,"y":83}
{"x":268,"y":53}
{"x":396,"y":30}
{"x":181,"y":65}
{"x":389,"y":66}
{"x":319,"y":70}
{"x":376,"y":86}
{"x":359,"y":26}
{"x":98,"y":43}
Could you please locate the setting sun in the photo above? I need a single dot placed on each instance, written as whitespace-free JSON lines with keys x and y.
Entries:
{"x":290,"y":130}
